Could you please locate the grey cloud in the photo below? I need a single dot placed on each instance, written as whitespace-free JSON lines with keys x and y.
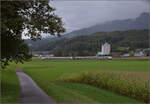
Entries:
{"x":80,"y":14}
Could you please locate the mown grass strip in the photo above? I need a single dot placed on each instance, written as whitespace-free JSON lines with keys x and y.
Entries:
{"x":74,"y":93}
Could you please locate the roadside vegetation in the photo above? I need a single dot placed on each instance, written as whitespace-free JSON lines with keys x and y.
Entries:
{"x":9,"y":86}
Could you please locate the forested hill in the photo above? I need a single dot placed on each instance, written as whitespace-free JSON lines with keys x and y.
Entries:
{"x":91,"y":44}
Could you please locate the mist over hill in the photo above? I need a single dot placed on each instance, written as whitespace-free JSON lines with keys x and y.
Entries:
{"x":141,"y":22}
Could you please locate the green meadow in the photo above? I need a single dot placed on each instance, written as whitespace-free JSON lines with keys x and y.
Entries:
{"x":83,"y":81}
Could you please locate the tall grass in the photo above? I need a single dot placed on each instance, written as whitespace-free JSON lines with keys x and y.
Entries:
{"x":132,"y":84}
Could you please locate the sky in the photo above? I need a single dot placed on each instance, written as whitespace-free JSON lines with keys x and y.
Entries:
{"x":84,"y":13}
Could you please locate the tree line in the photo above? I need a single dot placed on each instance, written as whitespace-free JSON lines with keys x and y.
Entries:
{"x":89,"y":45}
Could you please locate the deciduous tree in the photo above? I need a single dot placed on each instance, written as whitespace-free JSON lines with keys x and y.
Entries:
{"x":33,"y":17}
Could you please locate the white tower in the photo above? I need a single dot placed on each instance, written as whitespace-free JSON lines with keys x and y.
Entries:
{"x":105,"y":49}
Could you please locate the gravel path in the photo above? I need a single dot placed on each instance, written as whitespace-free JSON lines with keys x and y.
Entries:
{"x":30,"y":93}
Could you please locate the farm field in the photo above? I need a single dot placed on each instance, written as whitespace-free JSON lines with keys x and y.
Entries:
{"x":63,"y":80}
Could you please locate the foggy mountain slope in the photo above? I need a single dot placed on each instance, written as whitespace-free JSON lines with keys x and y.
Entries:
{"x":141,"y":22}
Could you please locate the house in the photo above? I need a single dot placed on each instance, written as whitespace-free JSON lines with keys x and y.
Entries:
{"x":125,"y":55}
{"x":148,"y":53}
{"x":51,"y":55}
{"x":116,"y":54}
{"x":141,"y":53}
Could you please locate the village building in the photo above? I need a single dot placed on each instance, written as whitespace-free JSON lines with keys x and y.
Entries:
{"x":125,"y":55}
{"x":147,"y":52}
{"x":105,"y":49}
{"x":141,"y":53}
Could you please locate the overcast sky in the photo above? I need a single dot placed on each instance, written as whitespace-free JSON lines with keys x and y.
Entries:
{"x":84,"y":13}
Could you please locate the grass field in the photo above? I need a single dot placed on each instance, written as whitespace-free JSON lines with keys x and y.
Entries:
{"x":47,"y":74}
{"x":9,"y":86}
